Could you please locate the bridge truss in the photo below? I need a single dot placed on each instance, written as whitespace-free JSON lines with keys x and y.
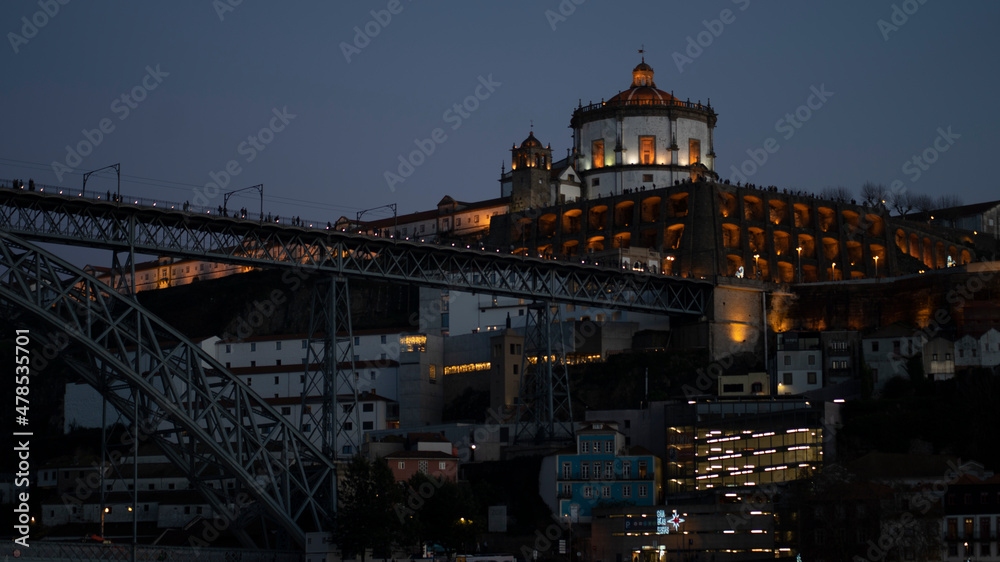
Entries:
{"x":212,"y":425}
{"x":208,"y":422}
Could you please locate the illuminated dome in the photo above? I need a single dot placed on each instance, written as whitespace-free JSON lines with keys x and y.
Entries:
{"x":531,"y":141}
{"x":643,"y":90}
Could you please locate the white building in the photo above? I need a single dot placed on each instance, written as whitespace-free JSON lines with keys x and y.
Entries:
{"x":887,"y":350}
{"x":800,"y":362}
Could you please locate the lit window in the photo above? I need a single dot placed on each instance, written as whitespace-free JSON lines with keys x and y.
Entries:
{"x":694,"y":151}
{"x":647,"y":149}
{"x":401,"y":465}
{"x":597,"y":152}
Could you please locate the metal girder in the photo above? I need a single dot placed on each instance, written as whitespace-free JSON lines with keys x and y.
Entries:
{"x":545,"y":412}
{"x":67,"y":220}
{"x":208,"y":422}
{"x":330,"y":374}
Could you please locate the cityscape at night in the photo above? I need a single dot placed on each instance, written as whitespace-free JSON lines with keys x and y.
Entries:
{"x":564,"y":280}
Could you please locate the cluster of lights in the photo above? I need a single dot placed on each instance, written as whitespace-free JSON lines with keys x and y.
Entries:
{"x":466,"y":368}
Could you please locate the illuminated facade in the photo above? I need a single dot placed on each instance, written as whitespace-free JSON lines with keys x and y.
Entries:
{"x":720,"y":526}
{"x":600,"y":469}
{"x":718,"y":443}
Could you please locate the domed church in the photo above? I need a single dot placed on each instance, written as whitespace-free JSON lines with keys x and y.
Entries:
{"x":640,"y":138}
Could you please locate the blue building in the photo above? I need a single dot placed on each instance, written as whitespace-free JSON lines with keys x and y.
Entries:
{"x":600,"y":470}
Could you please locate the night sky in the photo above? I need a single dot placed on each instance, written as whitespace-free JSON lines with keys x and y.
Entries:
{"x":342,"y":93}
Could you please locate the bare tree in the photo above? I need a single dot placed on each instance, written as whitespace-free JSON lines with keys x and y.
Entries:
{"x":922,"y":203}
{"x":836,"y":193}
{"x":901,"y":202}
{"x":946,"y":201}
{"x":874,"y":194}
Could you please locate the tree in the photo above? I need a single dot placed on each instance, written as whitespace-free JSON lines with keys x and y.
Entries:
{"x":837,"y":193}
{"x":366,"y":515}
{"x":901,"y":202}
{"x":442,"y":512}
{"x":923,"y":203}
{"x":874,"y":194}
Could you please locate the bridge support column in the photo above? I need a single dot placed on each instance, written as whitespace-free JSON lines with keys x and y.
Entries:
{"x":545,"y":412}
{"x":330,"y":372}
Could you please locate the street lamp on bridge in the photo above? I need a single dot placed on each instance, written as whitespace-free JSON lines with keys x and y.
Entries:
{"x":259,"y":187}
{"x":118,"y":170}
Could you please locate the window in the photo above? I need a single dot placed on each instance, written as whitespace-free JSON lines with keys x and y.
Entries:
{"x":588,"y":492}
{"x":383,"y":338}
{"x":368,"y":407}
{"x":643,"y":490}
{"x":811,"y":377}
{"x":874,"y":346}
{"x":277,"y":346}
{"x":642,"y":469}
{"x":432,"y":373}
{"x":249,"y":381}
{"x":304,"y":343}
{"x":627,"y":491}
{"x":788,"y":360}
{"x":934,"y":357}
{"x":694,"y":151}
{"x":229,"y":348}
{"x":516,"y":368}
{"x":357,"y":340}
{"x":647,"y":177}
{"x":609,"y":446}
{"x":253,"y":363}
{"x":597,"y":153}
{"x":253,"y":346}
{"x":286,"y":410}
{"x":276,"y":380}
{"x":458,"y":221}
{"x":476,"y":220}
{"x":348,"y":426}
{"x":626,"y":470}
{"x":422,"y":466}
{"x":596,"y":182}
{"x":606,"y":492}
{"x":584,"y":471}
{"x":401,"y":465}
{"x":812,"y":359}
{"x":609,"y":470}
{"x":567,"y":471}
{"x":367,"y":426}
{"x":584,"y":446}
{"x":647,"y":150}
{"x":786,"y":379}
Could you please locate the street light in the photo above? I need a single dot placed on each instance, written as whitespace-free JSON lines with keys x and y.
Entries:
{"x":755,"y":256}
{"x":876,"y":267}
{"x":833,"y":271}
{"x":799,"y":250}
{"x":225,"y":199}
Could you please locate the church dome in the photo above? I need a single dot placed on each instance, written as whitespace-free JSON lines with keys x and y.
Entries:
{"x":643,"y":90}
{"x":531,"y":142}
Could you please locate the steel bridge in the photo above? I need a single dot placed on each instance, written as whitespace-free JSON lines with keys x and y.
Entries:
{"x":140,"y":229}
{"x":207,"y":421}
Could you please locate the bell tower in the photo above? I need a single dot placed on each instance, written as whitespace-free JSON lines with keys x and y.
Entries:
{"x":530,"y":175}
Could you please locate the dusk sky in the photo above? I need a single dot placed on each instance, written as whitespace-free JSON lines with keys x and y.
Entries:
{"x":343,"y":93}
